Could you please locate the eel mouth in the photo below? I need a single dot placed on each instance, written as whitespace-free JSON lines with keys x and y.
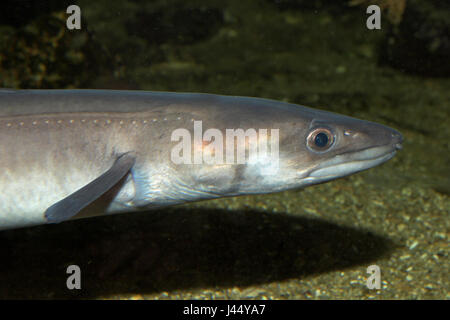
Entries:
{"x":356,"y":161}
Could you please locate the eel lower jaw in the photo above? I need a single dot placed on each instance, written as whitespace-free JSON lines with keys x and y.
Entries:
{"x":349,"y":163}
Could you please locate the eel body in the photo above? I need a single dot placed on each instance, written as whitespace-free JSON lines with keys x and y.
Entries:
{"x":68,"y":154}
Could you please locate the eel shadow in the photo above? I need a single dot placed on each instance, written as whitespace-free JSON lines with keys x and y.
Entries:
{"x":177,"y":248}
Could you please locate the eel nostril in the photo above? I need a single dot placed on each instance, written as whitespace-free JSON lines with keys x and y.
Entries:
{"x":397,"y":136}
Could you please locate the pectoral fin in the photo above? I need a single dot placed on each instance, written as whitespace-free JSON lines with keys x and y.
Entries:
{"x":74,"y":203}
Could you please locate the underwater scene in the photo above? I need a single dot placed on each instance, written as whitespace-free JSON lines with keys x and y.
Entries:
{"x":382,"y":233}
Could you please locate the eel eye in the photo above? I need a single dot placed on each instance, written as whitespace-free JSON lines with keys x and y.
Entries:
{"x":320,"y":139}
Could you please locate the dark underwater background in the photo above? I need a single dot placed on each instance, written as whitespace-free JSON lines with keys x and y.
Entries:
{"x":314,"y":243}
